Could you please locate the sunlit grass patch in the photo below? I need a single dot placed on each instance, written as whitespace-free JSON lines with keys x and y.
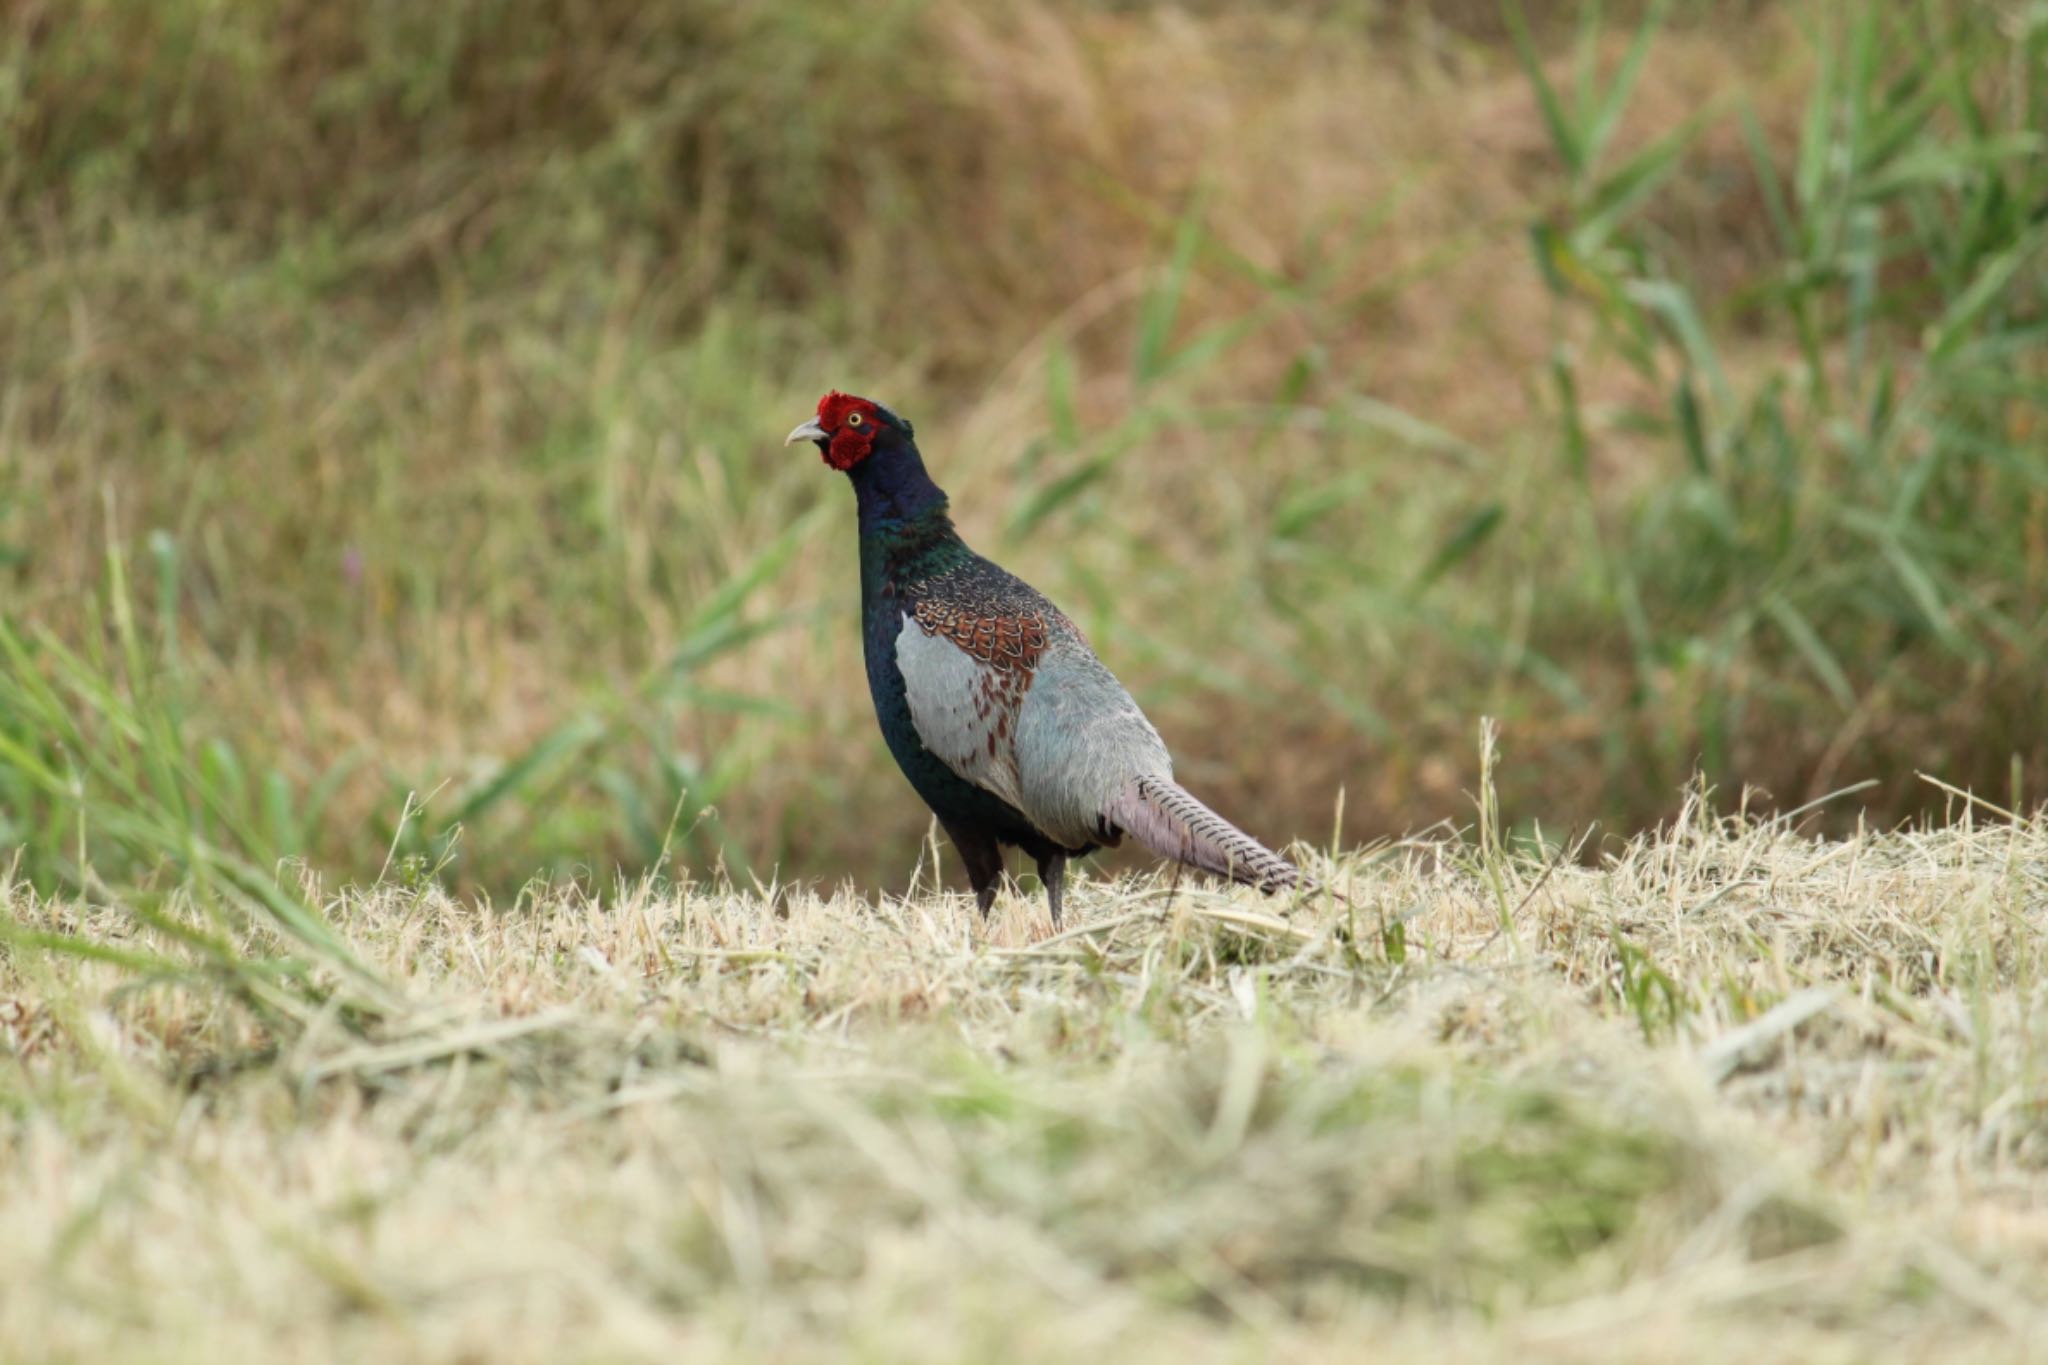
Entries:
{"x":668,"y":1117}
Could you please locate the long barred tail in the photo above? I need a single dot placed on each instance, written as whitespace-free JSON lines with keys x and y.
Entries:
{"x":1167,"y":819}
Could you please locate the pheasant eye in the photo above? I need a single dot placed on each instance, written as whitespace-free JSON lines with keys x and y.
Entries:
{"x":854,"y":419}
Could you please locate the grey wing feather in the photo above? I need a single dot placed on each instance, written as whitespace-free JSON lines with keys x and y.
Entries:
{"x":1080,"y":740}
{"x":1064,"y":743}
{"x":964,"y":711}
{"x":1057,"y":740}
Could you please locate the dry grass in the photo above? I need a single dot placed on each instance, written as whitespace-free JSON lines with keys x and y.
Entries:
{"x":1732,"y":1091}
{"x":388,"y":399}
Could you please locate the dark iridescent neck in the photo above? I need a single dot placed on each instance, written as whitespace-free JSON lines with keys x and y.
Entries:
{"x":893,"y":487}
{"x":904,"y":529}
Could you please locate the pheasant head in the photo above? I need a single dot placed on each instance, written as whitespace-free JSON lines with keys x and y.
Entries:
{"x":848,"y":430}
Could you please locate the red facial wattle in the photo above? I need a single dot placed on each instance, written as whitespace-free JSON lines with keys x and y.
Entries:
{"x":849,"y":446}
{"x":852,"y":424}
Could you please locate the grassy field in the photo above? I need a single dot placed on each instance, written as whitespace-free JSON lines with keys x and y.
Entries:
{"x":457,"y":906}
{"x":1668,"y":387}
{"x":1728,"y":1092}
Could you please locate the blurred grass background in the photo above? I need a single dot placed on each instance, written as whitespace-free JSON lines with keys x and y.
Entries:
{"x":390,"y":399}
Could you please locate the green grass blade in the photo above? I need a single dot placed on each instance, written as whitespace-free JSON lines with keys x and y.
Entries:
{"x":1563,"y":140}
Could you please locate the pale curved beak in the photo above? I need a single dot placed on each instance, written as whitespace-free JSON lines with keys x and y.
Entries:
{"x":809,"y":431}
